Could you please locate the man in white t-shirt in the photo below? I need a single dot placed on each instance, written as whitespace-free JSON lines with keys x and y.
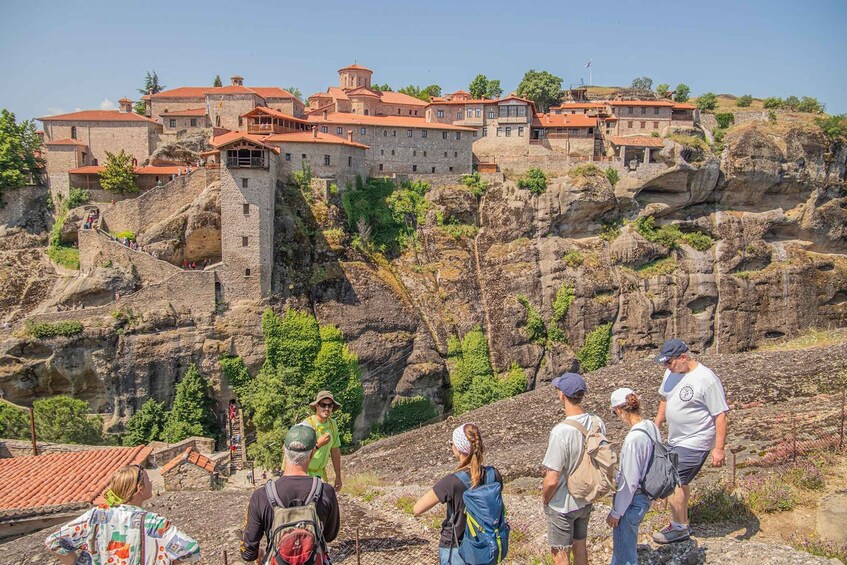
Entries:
{"x":567,"y":517}
{"x":694,"y":405}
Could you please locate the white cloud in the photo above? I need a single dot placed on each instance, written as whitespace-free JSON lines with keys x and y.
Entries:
{"x":77,"y":109}
{"x":107,"y":104}
{"x":53,"y":111}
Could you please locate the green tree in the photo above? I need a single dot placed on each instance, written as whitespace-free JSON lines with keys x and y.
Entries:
{"x":425,"y":94}
{"x":834,"y":127}
{"x":63,"y":419}
{"x":295,"y":92}
{"x":19,"y":164}
{"x":217,"y":82}
{"x":663,"y":90}
{"x":791,"y":103}
{"x":145,"y":425}
{"x":811,"y":105}
{"x":744,"y":101}
{"x":235,"y":371}
{"x":543,"y":88}
{"x":151,"y":84}
{"x":482,"y":87}
{"x":707,"y":101}
{"x":191,"y":413}
{"x":118,"y":174}
{"x":642,"y":83}
{"x":536,"y":330}
{"x":681,"y":92}
{"x":494,"y":89}
{"x":772,"y":103}
{"x":14,"y":422}
{"x":534,"y":181}
{"x":381,"y":88}
{"x":514,"y":382}
{"x":140,"y":108}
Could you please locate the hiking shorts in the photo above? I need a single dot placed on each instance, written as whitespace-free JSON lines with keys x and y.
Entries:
{"x":565,"y":528}
{"x":690,"y":462}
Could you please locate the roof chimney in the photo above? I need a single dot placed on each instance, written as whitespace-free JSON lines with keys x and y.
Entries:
{"x":126,"y":105}
{"x":350,"y":135}
{"x":325,"y":114}
{"x":315,"y":132}
{"x":237,"y":80}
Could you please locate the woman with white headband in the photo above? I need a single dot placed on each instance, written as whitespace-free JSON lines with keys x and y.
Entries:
{"x":467,"y":448}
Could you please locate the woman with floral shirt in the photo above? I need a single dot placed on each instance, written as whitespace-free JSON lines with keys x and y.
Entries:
{"x":121,"y":532}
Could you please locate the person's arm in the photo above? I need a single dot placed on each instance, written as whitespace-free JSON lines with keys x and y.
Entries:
{"x":425,"y":502}
{"x":660,"y":413}
{"x":335,"y":454}
{"x":251,"y":535}
{"x":65,"y":541}
{"x":177,"y":545}
{"x":718,"y":454}
{"x":333,"y":519}
{"x":548,"y":487}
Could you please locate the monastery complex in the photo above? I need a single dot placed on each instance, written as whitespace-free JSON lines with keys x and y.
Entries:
{"x":257,"y":137}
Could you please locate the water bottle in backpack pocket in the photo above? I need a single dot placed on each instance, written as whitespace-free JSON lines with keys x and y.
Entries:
{"x":297,"y":533}
{"x":486,"y":540}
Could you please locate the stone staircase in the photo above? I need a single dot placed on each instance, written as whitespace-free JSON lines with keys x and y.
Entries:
{"x":238,"y":457}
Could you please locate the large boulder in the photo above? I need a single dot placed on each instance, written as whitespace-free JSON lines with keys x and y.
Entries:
{"x":832,"y":518}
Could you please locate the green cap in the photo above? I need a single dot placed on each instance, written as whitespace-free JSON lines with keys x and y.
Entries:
{"x":300,"y":438}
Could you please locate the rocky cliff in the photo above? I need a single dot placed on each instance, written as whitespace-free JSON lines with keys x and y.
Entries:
{"x":740,"y":248}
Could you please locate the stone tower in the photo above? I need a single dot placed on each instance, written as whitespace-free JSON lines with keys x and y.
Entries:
{"x":354,"y":76}
{"x":248,"y":185}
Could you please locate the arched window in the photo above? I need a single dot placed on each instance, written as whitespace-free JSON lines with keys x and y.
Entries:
{"x":366,"y":111}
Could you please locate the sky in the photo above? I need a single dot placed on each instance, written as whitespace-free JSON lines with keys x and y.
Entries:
{"x":64,"y":56}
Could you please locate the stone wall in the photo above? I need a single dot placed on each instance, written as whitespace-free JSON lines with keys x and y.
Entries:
{"x":290,"y":106}
{"x":709,"y":122}
{"x":225,"y":110}
{"x":164,"y":452}
{"x":23,"y":447}
{"x":136,"y":138}
{"x":345,"y":161}
{"x":18,"y":203}
{"x":187,"y":476}
{"x":96,"y":249}
{"x":151,"y":207}
{"x":183,"y":125}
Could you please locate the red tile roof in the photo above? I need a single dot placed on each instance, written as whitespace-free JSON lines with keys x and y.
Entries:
{"x":400,"y":98}
{"x":637,"y":141}
{"x":684,"y":106}
{"x":337,"y":92}
{"x":563,"y":121}
{"x":440,"y":102}
{"x":362,"y":91}
{"x":578,"y":106}
{"x":272,"y":92}
{"x":309,"y":137}
{"x":62,"y":478}
{"x":263,"y":111}
{"x":192,"y":457}
{"x":149,"y":170}
{"x":67,"y":142}
{"x":231,"y":137}
{"x":383,"y":121}
{"x":187,"y":113}
{"x":99,"y":116}
{"x":202,"y":91}
{"x":354,"y":67}
{"x":641,"y":103}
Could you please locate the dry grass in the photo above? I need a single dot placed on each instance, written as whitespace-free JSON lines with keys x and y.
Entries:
{"x":811,"y":338}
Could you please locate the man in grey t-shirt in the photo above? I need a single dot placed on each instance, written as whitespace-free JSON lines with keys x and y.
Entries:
{"x":567,"y":516}
{"x":694,"y":405}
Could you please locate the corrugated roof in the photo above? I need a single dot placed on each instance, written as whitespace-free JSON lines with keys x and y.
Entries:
{"x":62,"y":478}
{"x":637,"y":141}
{"x":383,"y":121}
{"x":189,"y":456}
{"x":100,"y":116}
{"x":309,"y":137}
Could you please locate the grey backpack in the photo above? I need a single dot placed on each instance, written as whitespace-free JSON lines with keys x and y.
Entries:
{"x":662,"y":477}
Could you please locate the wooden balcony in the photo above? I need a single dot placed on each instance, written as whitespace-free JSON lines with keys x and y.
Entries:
{"x":265,"y":129}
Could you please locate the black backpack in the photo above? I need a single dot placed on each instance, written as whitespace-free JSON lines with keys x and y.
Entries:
{"x":662,"y":477}
{"x":296,"y":536}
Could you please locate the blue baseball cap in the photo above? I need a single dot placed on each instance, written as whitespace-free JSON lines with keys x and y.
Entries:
{"x":670,"y":349}
{"x":570,"y":384}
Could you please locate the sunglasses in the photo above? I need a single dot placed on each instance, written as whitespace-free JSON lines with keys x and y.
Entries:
{"x":326,"y":405}
{"x":139,"y":476}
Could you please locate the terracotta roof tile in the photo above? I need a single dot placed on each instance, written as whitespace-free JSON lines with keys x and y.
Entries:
{"x":440,"y":102}
{"x":383,"y":121}
{"x":400,"y":98}
{"x":354,"y":67}
{"x":202,"y":91}
{"x":641,"y":103}
{"x":99,"y":116}
{"x":263,"y":111}
{"x":578,"y":106}
{"x":637,"y":141}
{"x":62,"y":478}
{"x":190,"y":456}
{"x":221,"y":141}
{"x":187,"y":113}
{"x":362,"y":91}
{"x":563,"y":121}
{"x":309,"y":137}
{"x":337,"y":92}
{"x":67,"y":142}
{"x":684,"y":106}
{"x":148,"y":170}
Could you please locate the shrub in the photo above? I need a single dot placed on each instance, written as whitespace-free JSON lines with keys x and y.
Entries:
{"x":806,"y":475}
{"x":407,"y":413}
{"x":594,"y":353}
{"x":536,"y":331}
{"x":77,"y":197}
{"x":471,"y":375}
{"x":534,"y":181}
{"x":611,"y":230}
{"x":564,"y":298}
{"x":14,"y":422}
{"x":834,"y":127}
{"x":659,"y":267}
{"x":477,"y":184}
{"x":821,"y":548}
{"x":128,"y":235}
{"x":146,"y":424}
{"x":811,"y":105}
{"x":65,"y":420}
{"x":744,"y":101}
{"x":698,"y":240}
{"x":681,"y":92}
{"x":725,"y":119}
{"x":772,"y":117}
{"x":663,"y":90}
{"x":666,"y":235}
{"x":67,"y":257}
{"x":791,"y":103}
{"x":573,"y":258}
{"x":707,"y":101}
{"x":405,"y":504}
{"x":717,"y":504}
{"x":584,"y":171}
{"x":772,"y":103}
{"x":769,"y":494}
{"x":236,"y":374}
{"x":514,"y":382}
{"x":613,"y":176}
{"x":46,"y":330}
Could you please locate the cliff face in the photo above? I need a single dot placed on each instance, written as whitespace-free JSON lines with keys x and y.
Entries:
{"x":770,"y":214}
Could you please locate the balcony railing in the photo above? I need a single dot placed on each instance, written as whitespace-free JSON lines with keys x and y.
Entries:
{"x":250,"y":162}
{"x":264,"y":128}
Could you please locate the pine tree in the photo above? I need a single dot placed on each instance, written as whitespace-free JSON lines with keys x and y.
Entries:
{"x":65,"y":420}
{"x":191,"y":414}
{"x":218,"y":83}
{"x":145,"y":425}
{"x":14,"y":423}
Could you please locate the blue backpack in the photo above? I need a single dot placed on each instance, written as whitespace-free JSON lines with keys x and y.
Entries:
{"x":486,"y":540}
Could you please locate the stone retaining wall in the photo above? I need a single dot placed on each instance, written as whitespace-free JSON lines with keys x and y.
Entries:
{"x":19,"y":202}
{"x":164,"y":452}
{"x":97,"y":250}
{"x":23,"y":448}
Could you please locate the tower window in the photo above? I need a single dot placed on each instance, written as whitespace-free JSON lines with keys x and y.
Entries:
{"x":244,"y":183}
{"x":246,"y":208}
{"x":244,"y":241}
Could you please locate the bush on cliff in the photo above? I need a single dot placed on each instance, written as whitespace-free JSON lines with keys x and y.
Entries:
{"x":146,"y":425}
{"x":670,"y":235}
{"x":235,"y":371}
{"x":744,"y":101}
{"x":301,"y":358}
{"x":14,"y":422}
{"x":63,"y":419}
{"x":46,"y":330}
{"x":60,"y":254}
{"x":594,"y":353}
{"x":536,"y":330}
{"x":534,"y":181}
{"x":191,"y":413}
{"x":78,"y":197}
{"x":407,"y":413}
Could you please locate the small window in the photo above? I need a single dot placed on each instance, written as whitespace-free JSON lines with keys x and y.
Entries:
{"x":520,"y":132}
{"x":499,"y":132}
{"x":288,"y":156}
{"x":508,"y":132}
{"x":245,"y":208}
{"x":655,"y":125}
{"x":392,"y":152}
{"x":394,"y":133}
{"x":414,"y":168}
{"x":409,"y":133}
{"x":363,"y":131}
{"x":470,"y":112}
{"x":643,"y":125}
{"x":244,"y":183}
{"x":443,"y":135}
{"x":326,"y":160}
{"x":473,"y":134}
{"x":194,"y":122}
{"x":246,"y":272}
{"x":629,"y":123}
{"x":445,"y":153}
{"x":424,"y":153}
{"x":73,"y":132}
{"x":459,"y":115}
{"x":172,"y":123}
{"x":451,"y":169}
{"x":324,"y":129}
{"x":455,"y":154}
{"x":478,"y":112}
{"x":244,"y":241}
{"x":433,"y":169}
{"x":385,"y":133}
{"x":458,"y":135}
{"x":380,"y":166}
{"x":629,"y":109}
{"x":643,"y":111}
{"x":491,"y":114}
{"x":415,"y":153}
{"x":655,"y":111}
{"x":424,"y":133}
{"x":339,"y":131}
{"x":382,"y":151}
{"x":303,"y":157}
{"x":349,"y":160}
{"x":440,"y":113}
{"x":484,"y":131}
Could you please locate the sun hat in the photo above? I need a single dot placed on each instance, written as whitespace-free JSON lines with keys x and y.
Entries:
{"x":323,"y":395}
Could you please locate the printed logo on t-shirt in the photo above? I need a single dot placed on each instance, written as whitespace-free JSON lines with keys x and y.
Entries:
{"x":686,"y":393}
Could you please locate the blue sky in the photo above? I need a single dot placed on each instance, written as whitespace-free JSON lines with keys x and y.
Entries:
{"x":63,"y":56}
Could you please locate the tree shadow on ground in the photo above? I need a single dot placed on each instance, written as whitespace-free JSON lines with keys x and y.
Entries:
{"x":346,"y":550}
{"x":688,"y":552}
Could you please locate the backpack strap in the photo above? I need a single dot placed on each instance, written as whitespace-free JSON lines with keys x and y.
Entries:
{"x":316,"y":491}
{"x":465,"y":477}
{"x":574,"y":424}
{"x":272,"y":494}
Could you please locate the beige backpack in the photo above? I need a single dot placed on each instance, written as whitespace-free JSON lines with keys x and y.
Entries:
{"x":594,"y":476}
